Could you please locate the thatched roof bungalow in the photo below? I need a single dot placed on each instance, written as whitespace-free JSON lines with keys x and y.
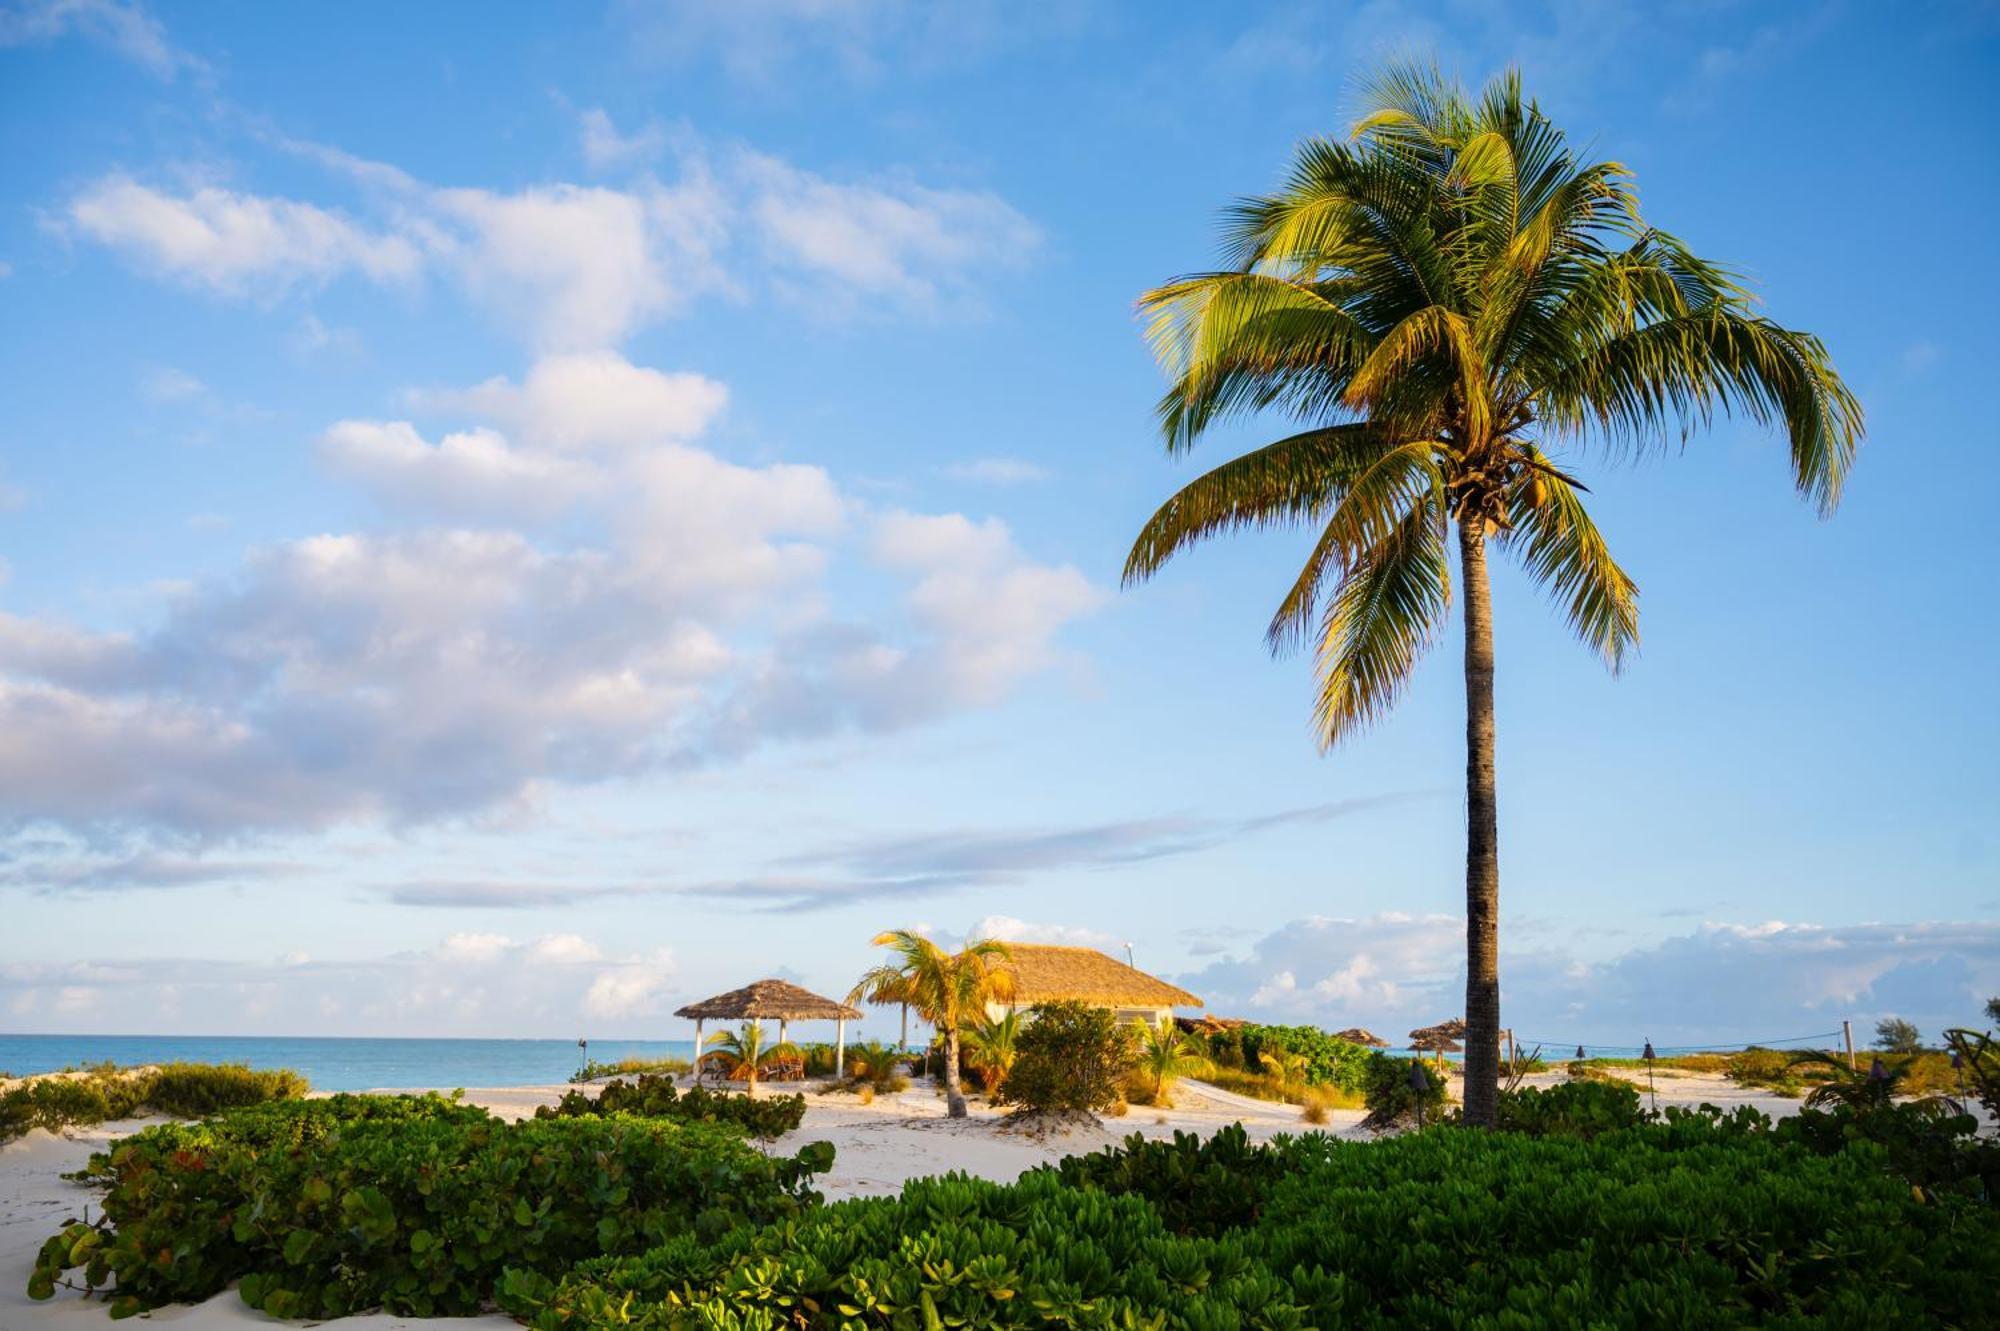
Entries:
{"x":1044,"y":973}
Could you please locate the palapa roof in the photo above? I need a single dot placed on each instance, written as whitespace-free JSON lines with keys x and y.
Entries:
{"x":774,"y":999}
{"x":1443,"y":1036}
{"x":1044,"y":973}
{"x":1361,"y":1035}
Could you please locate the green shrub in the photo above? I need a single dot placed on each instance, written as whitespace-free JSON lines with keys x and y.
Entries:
{"x":105,"y":1092}
{"x":1572,"y":1109}
{"x":631,"y":1067}
{"x":1385,"y":1088}
{"x":658,"y":1097}
{"x":1329,"y":1060}
{"x":1705,"y":1222}
{"x":1073,"y":1058}
{"x":417,"y":1208}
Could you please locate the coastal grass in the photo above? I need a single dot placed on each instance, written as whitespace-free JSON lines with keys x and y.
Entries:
{"x":632,"y":1066}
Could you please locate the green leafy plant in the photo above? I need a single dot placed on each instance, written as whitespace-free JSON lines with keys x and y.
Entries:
{"x":631,"y":1067}
{"x":1165,"y":1055}
{"x":1393,"y":1103}
{"x":746,"y":1052}
{"x":1571,"y":1109}
{"x":1073,"y":1058}
{"x":991,"y":1046}
{"x":1895,"y":1036}
{"x":659,"y":1097}
{"x":416,"y":1209}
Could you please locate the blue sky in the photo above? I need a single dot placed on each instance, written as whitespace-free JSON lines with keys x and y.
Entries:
{"x":513,"y":523}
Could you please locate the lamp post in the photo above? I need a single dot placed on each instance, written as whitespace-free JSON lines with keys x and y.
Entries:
{"x":583,"y":1052}
{"x":1420,"y":1085}
{"x":1651,"y":1093}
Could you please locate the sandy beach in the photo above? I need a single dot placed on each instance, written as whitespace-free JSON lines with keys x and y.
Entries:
{"x":878,"y":1146}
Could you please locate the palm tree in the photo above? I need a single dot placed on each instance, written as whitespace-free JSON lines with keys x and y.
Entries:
{"x":884,"y":986}
{"x":1288,"y":1067}
{"x":946,"y":989}
{"x":989,"y":1044}
{"x":1166,"y":1054}
{"x":1443,"y":302}
{"x":745,"y":1054}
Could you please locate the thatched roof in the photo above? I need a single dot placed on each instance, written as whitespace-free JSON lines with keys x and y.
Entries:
{"x":1046,"y":974}
{"x":1443,"y":1036}
{"x":1207,"y":1024}
{"x":1360,"y":1035}
{"x":773,"y":999}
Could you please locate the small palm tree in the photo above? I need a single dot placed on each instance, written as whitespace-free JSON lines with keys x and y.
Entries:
{"x":1441,"y":302}
{"x":1166,"y":1054}
{"x":1286,"y":1066}
{"x":745,"y":1054}
{"x":946,"y":988}
{"x":990,"y":1047}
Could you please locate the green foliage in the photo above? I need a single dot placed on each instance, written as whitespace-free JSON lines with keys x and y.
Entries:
{"x":630,"y":1067}
{"x":1993,"y":1010}
{"x":106,"y":1092}
{"x":1164,"y":1055}
{"x":1072,"y":1058}
{"x":1895,"y":1036}
{"x":1571,"y":1109}
{"x":877,"y":1066}
{"x":1385,"y":1088}
{"x":658,"y":1097}
{"x":324,"y":1208}
{"x":1328,"y":1059}
{"x":1701,"y":1222}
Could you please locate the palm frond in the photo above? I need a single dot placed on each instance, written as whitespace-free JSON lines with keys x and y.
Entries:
{"x":1561,"y":548}
{"x":1385,"y":613}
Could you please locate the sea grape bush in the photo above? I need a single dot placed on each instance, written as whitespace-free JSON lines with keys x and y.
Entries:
{"x":1385,"y":1086}
{"x":658,"y":1097}
{"x":1571,"y":1109}
{"x":1704,"y":1222}
{"x":416,"y":1209}
{"x":106,"y":1092}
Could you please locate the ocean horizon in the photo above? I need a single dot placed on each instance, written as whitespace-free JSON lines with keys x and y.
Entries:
{"x":341,"y":1063}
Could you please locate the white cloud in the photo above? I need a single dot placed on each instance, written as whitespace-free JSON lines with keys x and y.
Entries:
{"x":901,"y":243}
{"x":1010,"y":930}
{"x":605,"y":149}
{"x":236,"y":244}
{"x":1723,"y":984}
{"x":124,"y":27}
{"x":470,"y":984}
{"x":445,"y":671}
{"x":166,"y":384}
{"x":590,"y":400}
{"x":581,"y":267}
{"x":998,"y":471}
{"x":473,"y":472}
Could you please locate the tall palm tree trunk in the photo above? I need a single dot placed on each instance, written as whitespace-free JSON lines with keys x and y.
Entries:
{"x":954,"y":1099}
{"x":1482,"y":838}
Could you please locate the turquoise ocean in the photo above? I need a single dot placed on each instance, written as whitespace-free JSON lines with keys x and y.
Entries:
{"x":340,"y":1064}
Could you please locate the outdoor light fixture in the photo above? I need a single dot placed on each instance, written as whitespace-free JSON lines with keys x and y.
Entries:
{"x":1580,"y":1054}
{"x":1651,"y":1093}
{"x":1419,"y":1083}
{"x":1876,"y":1072}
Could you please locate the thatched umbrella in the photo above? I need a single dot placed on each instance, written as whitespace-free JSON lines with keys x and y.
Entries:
{"x":773,"y":1000}
{"x":1363,"y":1036}
{"x":1440,"y":1039}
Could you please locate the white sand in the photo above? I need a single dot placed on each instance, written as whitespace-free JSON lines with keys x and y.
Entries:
{"x":877,"y":1147}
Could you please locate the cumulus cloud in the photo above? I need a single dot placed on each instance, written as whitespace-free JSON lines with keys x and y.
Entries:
{"x":1010,"y":930}
{"x":471,"y":983}
{"x":451,"y":669}
{"x":1722,"y":984}
{"x":236,"y":244}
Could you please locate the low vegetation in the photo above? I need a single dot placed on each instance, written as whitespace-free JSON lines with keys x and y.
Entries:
{"x":659,"y":1097}
{"x":1703,"y":1221}
{"x":106,"y":1093}
{"x":1394,"y":1101}
{"x":631,"y":1067}
{"x":326,"y":1207}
